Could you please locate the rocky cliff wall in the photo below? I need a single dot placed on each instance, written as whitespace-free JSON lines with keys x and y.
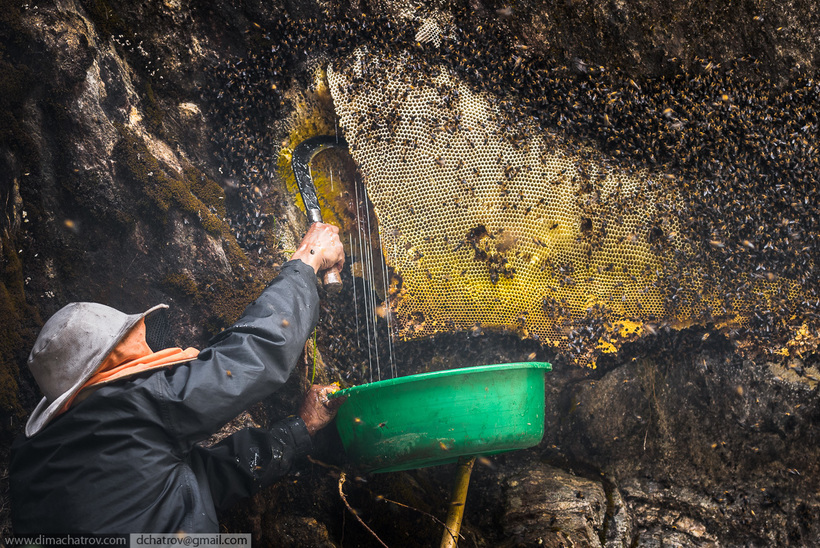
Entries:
{"x":139,"y":154}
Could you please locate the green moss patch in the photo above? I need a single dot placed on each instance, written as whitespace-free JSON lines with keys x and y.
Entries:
{"x":182,"y":283}
{"x":206,"y":189}
{"x":227,"y":299}
{"x":162,"y":189}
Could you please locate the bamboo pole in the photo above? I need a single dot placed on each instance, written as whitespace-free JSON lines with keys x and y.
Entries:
{"x":457,"y":500}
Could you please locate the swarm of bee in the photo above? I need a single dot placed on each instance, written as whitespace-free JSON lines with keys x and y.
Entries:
{"x":563,"y":200}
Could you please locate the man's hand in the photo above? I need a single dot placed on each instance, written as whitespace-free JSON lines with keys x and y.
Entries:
{"x":317,"y":410}
{"x":321,"y":248}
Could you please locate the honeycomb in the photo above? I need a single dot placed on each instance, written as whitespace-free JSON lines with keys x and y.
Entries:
{"x":510,"y":186}
{"x":489,"y":221}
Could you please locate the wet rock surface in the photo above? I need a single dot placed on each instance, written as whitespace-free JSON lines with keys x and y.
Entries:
{"x":115,"y":188}
{"x":723,"y":438}
{"x":548,"y":506}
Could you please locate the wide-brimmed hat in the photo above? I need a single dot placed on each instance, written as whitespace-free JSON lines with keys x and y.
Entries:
{"x":70,"y":348}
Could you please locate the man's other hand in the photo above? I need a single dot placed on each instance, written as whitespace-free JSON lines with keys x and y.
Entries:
{"x":321,"y":248}
{"x":317,"y":409}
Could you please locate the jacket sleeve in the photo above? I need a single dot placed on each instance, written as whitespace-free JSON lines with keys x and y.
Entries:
{"x":243,"y":364}
{"x":251,"y":459}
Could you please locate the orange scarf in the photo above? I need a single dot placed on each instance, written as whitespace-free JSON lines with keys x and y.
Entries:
{"x":132,"y":356}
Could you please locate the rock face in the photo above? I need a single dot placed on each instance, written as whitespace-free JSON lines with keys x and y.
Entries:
{"x":701,"y":450}
{"x":550,"y":507}
{"x":139,"y":163}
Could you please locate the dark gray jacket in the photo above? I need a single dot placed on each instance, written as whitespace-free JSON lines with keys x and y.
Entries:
{"x":125,"y":459}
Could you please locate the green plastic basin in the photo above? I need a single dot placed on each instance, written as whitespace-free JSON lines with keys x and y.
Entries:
{"x":435,"y":418}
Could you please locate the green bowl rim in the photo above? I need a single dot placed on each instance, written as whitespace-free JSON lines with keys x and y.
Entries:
{"x":435,"y":374}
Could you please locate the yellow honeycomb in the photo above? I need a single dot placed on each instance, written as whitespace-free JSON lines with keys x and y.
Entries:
{"x":488,"y":222}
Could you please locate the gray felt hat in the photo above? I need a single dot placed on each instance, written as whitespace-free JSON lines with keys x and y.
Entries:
{"x":70,"y":348}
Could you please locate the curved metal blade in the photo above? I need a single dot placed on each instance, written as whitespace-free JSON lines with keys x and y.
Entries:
{"x":300,"y":163}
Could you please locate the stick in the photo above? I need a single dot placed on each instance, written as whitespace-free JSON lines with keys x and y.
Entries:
{"x":431,"y":516}
{"x":352,"y":511}
{"x":457,"y":499}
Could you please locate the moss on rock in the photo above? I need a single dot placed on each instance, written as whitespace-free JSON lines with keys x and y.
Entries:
{"x":182,"y":282}
{"x":227,"y":299}
{"x":206,"y":189}
{"x":193,"y":192}
{"x":163,"y":188}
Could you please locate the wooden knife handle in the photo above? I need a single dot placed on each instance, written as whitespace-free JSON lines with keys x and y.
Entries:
{"x":333,"y":279}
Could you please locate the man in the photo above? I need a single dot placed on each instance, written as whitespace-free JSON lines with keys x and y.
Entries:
{"x":112,"y":447}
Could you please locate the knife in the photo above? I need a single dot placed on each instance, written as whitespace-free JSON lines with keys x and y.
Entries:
{"x":300,"y":163}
